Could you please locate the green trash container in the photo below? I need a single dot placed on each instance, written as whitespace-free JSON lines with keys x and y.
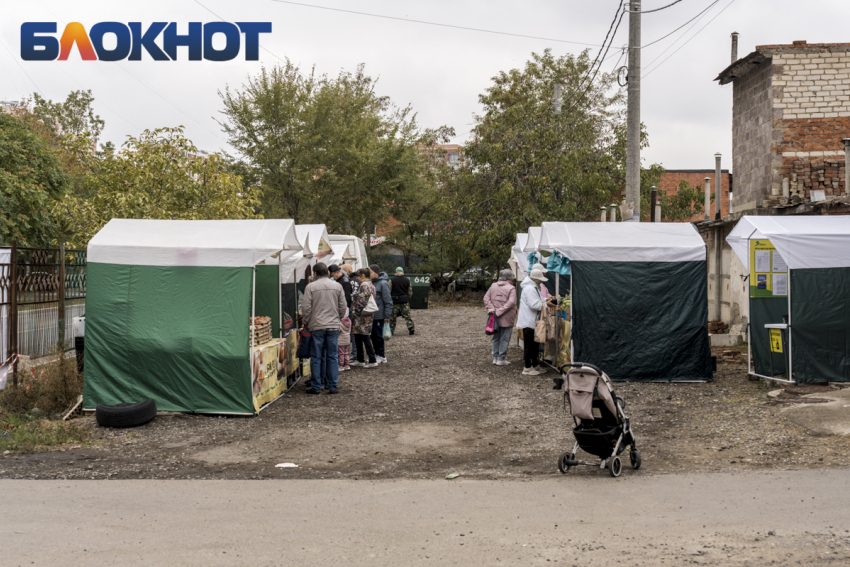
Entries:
{"x":420,"y":285}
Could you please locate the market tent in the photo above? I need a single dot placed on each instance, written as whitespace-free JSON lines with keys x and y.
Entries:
{"x":168,"y":310}
{"x":355,"y":247}
{"x":639,"y":297}
{"x":532,"y":242}
{"x":800,"y":270}
{"x":316,"y":245}
{"x":519,"y":259}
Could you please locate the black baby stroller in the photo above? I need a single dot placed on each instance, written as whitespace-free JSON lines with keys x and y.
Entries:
{"x":602,"y":429}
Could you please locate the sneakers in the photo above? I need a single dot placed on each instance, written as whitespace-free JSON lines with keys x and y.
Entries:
{"x":501,"y":363}
{"x":495,"y":361}
{"x":541,"y":369}
{"x":371,"y":365}
{"x":356,"y":363}
{"x":531,"y":372}
{"x":381,"y":359}
{"x":347,"y":368}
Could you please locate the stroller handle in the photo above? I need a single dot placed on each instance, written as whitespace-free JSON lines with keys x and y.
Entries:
{"x":579,"y":365}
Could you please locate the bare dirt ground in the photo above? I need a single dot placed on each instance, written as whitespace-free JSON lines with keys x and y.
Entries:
{"x":439,"y":406}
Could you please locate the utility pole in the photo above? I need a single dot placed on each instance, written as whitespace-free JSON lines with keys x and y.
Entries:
{"x":633,"y":114}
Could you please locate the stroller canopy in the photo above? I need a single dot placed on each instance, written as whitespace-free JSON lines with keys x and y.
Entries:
{"x":639,"y":297}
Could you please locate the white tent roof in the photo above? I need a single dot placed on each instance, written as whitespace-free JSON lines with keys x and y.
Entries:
{"x":211,"y":243}
{"x":532,"y":242}
{"x":518,"y":254}
{"x":623,"y":241}
{"x":355,"y":247}
{"x":340,"y":254}
{"x":803,"y":241}
{"x":314,"y":238}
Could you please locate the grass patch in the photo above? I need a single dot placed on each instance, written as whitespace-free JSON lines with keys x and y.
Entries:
{"x":51,"y":388}
{"x":27,"y":434}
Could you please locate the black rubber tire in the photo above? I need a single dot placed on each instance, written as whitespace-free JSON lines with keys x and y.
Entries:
{"x":634,"y":457}
{"x":562,"y":462}
{"x":615,"y":466}
{"x":125,"y":415}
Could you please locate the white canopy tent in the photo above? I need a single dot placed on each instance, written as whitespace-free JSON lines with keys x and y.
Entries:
{"x":799,"y":291}
{"x":355,"y":247}
{"x":169,"y":310}
{"x":316,"y":245}
{"x":638,"y":297}
{"x":519,"y":258}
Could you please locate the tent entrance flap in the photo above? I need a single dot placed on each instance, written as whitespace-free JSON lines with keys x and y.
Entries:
{"x":642,"y":321}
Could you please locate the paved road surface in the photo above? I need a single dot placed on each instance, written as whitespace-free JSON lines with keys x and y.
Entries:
{"x":714,"y":519}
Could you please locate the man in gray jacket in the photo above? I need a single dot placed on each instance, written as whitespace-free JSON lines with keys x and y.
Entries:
{"x":385,"y":310}
{"x":322,"y":309}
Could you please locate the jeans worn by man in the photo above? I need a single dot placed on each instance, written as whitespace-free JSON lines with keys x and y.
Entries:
{"x":324,"y":360}
{"x":322,"y":309}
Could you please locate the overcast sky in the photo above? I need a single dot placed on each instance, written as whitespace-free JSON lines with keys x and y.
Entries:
{"x":439,"y":70}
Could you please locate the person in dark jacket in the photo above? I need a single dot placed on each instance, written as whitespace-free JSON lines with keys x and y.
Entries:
{"x":385,"y":310}
{"x":343,"y":280}
{"x":400,"y":291}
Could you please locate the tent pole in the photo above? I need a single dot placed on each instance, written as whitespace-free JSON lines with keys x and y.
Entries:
{"x":570,"y":322}
{"x":279,"y":303}
{"x":790,"y":369}
{"x":253,"y":323}
{"x":557,"y":317}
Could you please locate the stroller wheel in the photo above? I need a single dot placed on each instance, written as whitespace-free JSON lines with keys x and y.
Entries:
{"x":562,"y":462}
{"x":615,"y":467}
{"x":634,"y":457}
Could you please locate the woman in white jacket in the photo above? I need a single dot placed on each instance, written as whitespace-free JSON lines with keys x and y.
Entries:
{"x":530,"y":304}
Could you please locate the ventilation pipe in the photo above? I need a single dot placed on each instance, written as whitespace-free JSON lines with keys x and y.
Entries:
{"x":734,"y":46}
{"x":604,"y":214}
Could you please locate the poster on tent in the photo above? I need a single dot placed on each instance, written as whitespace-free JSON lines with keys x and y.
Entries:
{"x":768,"y":270}
{"x":265,"y":384}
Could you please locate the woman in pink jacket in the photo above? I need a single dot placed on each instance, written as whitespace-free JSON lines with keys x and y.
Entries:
{"x":501,"y":300}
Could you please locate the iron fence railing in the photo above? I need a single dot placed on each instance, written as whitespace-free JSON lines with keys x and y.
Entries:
{"x":36,"y":286}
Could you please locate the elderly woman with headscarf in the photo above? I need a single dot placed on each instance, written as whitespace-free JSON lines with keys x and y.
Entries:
{"x":501,"y":301}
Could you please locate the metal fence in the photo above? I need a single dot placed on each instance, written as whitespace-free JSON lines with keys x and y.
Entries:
{"x":36,"y":285}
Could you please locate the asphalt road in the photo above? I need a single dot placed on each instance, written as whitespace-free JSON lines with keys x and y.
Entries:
{"x":699,"y":518}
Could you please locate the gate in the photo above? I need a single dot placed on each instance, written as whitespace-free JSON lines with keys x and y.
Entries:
{"x":41,"y":291}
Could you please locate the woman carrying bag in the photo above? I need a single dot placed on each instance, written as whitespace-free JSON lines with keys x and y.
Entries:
{"x":530,"y":306}
{"x":363,"y":306}
{"x":500,"y":301}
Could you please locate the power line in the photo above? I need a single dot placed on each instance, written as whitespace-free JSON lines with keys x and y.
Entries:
{"x":655,"y":10}
{"x":669,"y":47}
{"x":693,"y":36}
{"x":680,"y":27}
{"x":409,"y":20}
{"x":22,"y":68}
{"x":282,"y":60}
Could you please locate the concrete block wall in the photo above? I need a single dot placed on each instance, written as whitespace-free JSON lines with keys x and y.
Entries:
{"x":752,"y":137}
{"x":734,"y":290}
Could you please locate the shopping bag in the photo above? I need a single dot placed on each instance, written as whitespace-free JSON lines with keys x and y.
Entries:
{"x":305,"y":343}
{"x":388,"y":333}
{"x":490,"y":327}
{"x":540,"y":334}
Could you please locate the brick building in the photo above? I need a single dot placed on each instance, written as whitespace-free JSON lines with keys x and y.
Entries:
{"x":790,"y":114}
{"x":790,"y":111}
{"x":669,"y":184}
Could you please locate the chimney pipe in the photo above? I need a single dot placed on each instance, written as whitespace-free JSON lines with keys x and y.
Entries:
{"x":707,"y":197}
{"x":652,"y":201}
{"x":604,"y":214}
{"x":613,"y":210}
{"x":718,"y":184}
{"x":734,"y":46}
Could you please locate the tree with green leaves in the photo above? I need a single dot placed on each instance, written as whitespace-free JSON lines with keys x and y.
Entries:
{"x":323,"y":149}
{"x":71,"y":118}
{"x":31,"y":179}
{"x":159,"y":175}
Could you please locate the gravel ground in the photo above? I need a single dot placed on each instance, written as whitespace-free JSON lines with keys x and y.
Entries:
{"x":439,"y":406}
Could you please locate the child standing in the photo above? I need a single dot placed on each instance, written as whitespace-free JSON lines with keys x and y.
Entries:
{"x":344,"y":342}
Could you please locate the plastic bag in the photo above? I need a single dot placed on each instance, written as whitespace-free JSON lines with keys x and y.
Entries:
{"x":388,"y":334}
{"x":492,"y":325}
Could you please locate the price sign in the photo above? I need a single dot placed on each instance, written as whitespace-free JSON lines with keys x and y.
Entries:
{"x":775,"y":340}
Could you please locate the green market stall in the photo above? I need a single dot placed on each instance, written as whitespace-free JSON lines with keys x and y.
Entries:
{"x":638,"y":298}
{"x":799,"y":300}
{"x":169,"y":313}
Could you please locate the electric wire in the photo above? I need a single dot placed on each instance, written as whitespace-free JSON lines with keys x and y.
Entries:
{"x":281,"y":59}
{"x":409,"y":20}
{"x":655,"y":10}
{"x":15,"y":59}
{"x":693,"y":36}
{"x":680,"y":27}
{"x":677,"y":40}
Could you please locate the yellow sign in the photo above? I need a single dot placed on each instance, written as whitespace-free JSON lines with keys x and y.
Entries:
{"x":768,"y":270}
{"x":775,"y":340}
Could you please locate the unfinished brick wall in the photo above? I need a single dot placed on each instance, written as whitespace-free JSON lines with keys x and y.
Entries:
{"x":811,"y":97}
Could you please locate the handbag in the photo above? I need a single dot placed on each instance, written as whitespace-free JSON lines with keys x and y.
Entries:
{"x":540,"y":331}
{"x":388,"y":332}
{"x":490,"y":327}
{"x":305,"y":343}
{"x":371,"y":307}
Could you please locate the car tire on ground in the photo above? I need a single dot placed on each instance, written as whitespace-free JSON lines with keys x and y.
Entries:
{"x":125,"y":415}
